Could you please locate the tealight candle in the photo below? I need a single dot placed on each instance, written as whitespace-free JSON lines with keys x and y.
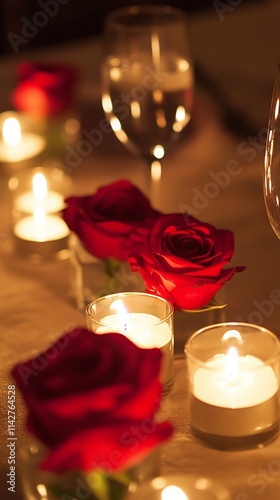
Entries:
{"x":179,"y":487}
{"x":40,"y":195}
{"x":15,"y":144}
{"x":233,"y":371}
{"x":145,"y":319}
{"x":41,"y":234}
{"x":42,"y":186}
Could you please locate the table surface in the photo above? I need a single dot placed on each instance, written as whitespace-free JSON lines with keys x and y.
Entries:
{"x":235,"y":79}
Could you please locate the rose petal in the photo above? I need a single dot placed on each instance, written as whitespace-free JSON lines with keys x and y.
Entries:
{"x":106,"y":447}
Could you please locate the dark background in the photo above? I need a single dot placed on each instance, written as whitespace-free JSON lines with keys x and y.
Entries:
{"x":74,"y":19}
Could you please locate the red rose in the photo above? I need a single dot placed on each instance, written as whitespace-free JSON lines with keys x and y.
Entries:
{"x":104,"y":221}
{"x":87,"y":394}
{"x":44,"y":89}
{"x":181,"y":260}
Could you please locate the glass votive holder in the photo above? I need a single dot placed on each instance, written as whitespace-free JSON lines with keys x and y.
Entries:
{"x":92,"y":277}
{"x":37,"y":201}
{"x":233,"y":384}
{"x":147,"y":320}
{"x":180,"y":487}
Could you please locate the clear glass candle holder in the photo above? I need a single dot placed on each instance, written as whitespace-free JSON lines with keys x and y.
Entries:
{"x":37,"y":201}
{"x":147,"y":320}
{"x":180,"y":487}
{"x":233,"y":384}
{"x":92,"y":277}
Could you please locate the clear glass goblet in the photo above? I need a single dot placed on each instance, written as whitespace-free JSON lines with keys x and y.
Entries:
{"x":271,"y":172}
{"x":147,"y":82}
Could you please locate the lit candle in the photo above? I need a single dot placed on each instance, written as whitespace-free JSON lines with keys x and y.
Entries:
{"x":233,"y":381}
{"x":141,"y":328}
{"x":16,"y":145}
{"x":180,"y":487}
{"x":40,"y":196}
{"x":173,"y":493}
{"x":145,"y":329}
{"x":40,"y":233}
{"x":232,"y":395}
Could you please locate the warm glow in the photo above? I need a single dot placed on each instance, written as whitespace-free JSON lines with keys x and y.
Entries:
{"x":277,"y":109}
{"x":173,"y":493}
{"x":160,"y":118}
{"x":181,"y":118}
{"x":155,"y":50}
{"x":115,"y":70}
{"x":135,"y":109}
{"x":115,"y":74}
{"x":156,"y":171}
{"x":232,"y":334}
{"x":107,"y":103}
{"x":72,"y":126}
{"x":40,"y":187}
{"x":42,"y":490}
{"x":123,"y":317}
{"x":183,"y":65}
{"x":180,"y":114}
{"x":157,"y":96}
{"x":231,"y":364}
{"x":115,"y":124}
{"x":158,"y":151}
{"x":11,"y":132}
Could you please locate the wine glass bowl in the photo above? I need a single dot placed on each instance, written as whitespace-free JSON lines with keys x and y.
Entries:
{"x":147,"y":78}
{"x":271,"y":173}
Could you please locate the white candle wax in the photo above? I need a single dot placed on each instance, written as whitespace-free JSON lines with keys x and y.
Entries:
{"x":141,"y":328}
{"x":52,"y":203}
{"x":52,"y":229}
{"x":253,"y":384}
{"x":234,"y":403}
{"x":29,"y":146}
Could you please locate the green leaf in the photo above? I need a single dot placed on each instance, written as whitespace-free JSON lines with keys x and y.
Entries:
{"x":209,"y":307}
{"x":112,"y":266}
{"x":99,"y":485}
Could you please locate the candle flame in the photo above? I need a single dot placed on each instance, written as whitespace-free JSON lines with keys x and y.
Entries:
{"x":123,"y":316}
{"x":11,"y":132}
{"x":40,"y":187}
{"x":231,"y":363}
{"x":173,"y":493}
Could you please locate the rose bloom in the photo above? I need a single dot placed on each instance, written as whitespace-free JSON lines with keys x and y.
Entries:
{"x":89,"y":397}
{"x":104,"y":221}
{"x":182,"y":260}
{"x":44,"y":89}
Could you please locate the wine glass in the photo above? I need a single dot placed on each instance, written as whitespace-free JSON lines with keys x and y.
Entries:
{"x":271,"y":175}
{"x":147,"y":82}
